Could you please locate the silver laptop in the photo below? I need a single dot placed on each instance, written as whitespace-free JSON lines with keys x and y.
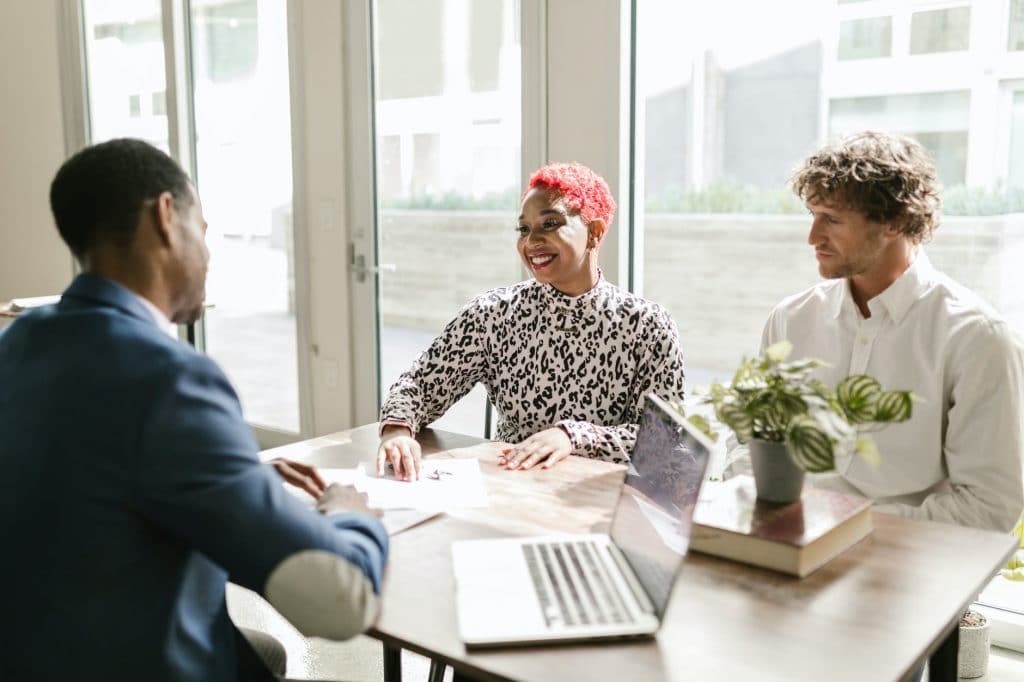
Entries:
{"x":580,"y":587}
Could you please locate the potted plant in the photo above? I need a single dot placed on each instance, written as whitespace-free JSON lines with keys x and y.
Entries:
{"x":975,"y":638}
{"x":975,"y":630}
{"x":795,"y":423}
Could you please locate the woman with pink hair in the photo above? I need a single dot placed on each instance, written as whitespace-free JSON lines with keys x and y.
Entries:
{"x":566,"y":357}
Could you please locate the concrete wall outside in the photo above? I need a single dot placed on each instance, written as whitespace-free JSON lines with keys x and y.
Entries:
{"x":719,"y":275}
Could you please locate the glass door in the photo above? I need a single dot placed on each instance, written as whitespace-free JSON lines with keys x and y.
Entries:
{"x":225,"y":114}
{"x":239,"y":60}
{"x":125,"y":75}
{"x":448,"y":172}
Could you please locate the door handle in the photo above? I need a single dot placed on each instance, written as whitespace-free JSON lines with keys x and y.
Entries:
{"x":360,"y":269}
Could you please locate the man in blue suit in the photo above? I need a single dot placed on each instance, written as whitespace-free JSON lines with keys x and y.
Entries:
{"x":131,"y":488}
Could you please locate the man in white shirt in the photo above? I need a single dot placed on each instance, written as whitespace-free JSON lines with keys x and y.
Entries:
{"x":886,"y":312}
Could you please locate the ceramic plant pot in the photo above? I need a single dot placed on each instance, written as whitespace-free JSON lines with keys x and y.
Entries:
{"x":776,"y":477}
{"x":975,"y":638}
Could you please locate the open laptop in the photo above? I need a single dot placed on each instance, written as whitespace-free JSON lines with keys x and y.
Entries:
{"x":560,"y":588}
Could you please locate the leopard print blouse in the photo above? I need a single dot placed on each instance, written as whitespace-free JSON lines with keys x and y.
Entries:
{"x":581,"y":363}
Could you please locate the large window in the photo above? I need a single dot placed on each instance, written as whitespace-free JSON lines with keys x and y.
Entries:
{"x":243,"y":167}
{"x":1016,"y":32}
{"x":124,"y":56}
{"x":234,"y":114}
{"x":725,"y":109}
{"x":448,"y":171}
{"x":1015,"y":174}
{"x":940,"y":30}
{"x":865,"y":38}
{"x":937,"y":120}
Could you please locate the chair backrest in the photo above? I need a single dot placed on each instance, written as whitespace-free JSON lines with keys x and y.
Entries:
{"x":488,"y":419}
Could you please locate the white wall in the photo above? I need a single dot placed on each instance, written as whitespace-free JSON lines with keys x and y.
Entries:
{"x":33,"y":259}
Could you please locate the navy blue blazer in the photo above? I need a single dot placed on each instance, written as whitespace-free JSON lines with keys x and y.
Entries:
{"x":130,"y":492}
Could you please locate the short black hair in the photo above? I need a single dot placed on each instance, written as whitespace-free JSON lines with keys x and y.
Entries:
{"x":98,"y":194}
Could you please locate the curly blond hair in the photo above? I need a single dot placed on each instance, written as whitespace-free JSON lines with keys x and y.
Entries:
{"x":889,"y":178}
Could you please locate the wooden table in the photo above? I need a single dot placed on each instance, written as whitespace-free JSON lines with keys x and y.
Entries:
{"x":877,"y":612}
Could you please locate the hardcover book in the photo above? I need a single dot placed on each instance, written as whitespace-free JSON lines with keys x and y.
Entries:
{"x":796,"y":538}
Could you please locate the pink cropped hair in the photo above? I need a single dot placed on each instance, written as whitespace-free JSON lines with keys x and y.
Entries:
{"x":584,"y":190}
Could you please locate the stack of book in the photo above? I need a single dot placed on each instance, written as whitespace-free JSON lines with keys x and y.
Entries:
{"x":796,"y":538}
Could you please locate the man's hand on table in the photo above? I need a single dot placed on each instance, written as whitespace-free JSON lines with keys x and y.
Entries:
{"x":345,"y":498}
{"x":547,"y":447}
{"x":399,"y":449}
{"x":302,"y":476}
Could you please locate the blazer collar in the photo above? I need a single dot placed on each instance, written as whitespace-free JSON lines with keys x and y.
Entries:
{"x":90,"y":288}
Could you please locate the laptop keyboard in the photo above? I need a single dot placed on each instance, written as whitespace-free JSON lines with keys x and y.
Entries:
{"x":573,"y":585}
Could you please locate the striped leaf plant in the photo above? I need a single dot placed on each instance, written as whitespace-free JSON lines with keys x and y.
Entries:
{"x":778,"y":400}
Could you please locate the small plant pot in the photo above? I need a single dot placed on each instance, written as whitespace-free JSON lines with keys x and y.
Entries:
{"x":776,"y":477}
{"x":975,"y":639}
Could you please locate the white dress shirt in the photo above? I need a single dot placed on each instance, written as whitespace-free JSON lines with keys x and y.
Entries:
{"x":958,"y":459}
{"x":158,"y":316}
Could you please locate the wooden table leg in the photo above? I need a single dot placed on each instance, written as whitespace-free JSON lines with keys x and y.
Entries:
{"x":942,"y":666}
{"x":392,"y":663}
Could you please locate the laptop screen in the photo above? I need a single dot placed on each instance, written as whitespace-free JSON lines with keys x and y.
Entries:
{"x":652,"y":519}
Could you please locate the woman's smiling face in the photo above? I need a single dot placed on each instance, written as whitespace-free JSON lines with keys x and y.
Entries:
{"x":555,"y":244}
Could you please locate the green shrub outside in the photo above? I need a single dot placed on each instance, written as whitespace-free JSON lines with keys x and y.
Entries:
{"x":960,"y":200}
{"x":957,"y":200}
{"x":507,"y":200}
{"x":722,"y":197}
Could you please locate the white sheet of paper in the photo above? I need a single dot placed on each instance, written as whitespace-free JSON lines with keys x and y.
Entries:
{"x":342,"y":476}
{"x":444,"y":484}
{"x":397,"y":520}
{"x":394,"y":520}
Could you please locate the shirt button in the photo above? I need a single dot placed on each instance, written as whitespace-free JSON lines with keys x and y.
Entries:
{"x":863,"y":341}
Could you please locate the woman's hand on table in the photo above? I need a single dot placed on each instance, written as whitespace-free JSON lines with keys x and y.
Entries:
{"x":302,"y":476}
{"x":547,"y":448}
{"x":399,"y":449}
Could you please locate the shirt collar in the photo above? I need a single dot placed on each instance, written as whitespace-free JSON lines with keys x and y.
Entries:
{"x":908,"y":287}
{"x":574,"y":302}
{"x":841,"y":297}
{"x":897,"y":298}
{"x":158,"y":315}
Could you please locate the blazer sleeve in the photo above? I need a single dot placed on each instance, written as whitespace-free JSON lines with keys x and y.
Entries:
{"x":200,"y":479}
